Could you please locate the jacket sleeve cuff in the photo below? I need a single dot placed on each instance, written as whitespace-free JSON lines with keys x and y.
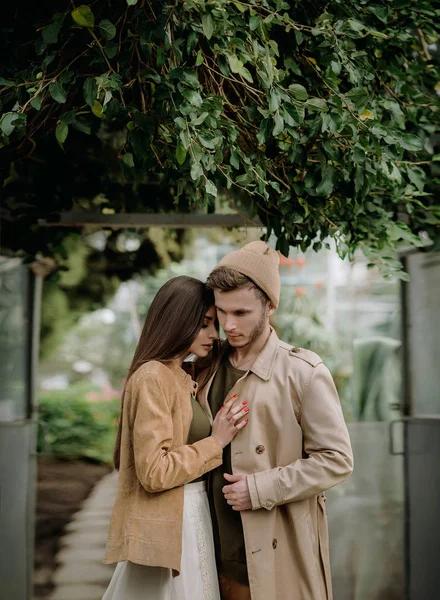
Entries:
{"x":264,"y":489}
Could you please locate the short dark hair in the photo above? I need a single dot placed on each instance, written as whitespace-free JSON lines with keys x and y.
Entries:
{"x":226,"y":279}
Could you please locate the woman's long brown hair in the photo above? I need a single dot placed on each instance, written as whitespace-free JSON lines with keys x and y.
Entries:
{"x":173,"y":322}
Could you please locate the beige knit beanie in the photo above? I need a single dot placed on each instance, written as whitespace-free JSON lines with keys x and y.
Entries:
{"x":259,"y":262}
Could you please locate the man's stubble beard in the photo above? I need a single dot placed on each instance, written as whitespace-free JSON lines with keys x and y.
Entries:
{"x":255,"y":333}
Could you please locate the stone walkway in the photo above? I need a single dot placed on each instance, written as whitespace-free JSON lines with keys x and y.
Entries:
{"x":81,"y":574}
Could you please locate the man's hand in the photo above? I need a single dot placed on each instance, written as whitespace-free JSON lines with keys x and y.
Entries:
{"x":237,"y":494}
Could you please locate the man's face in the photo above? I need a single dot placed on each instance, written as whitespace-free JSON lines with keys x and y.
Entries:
{"x":242,"y":315}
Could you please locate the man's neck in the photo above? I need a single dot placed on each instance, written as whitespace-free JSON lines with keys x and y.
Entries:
{"x":251,"y":350}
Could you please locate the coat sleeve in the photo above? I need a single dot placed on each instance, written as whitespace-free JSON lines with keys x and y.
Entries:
{"x":326,"y":444}
{"x":160,"y":465}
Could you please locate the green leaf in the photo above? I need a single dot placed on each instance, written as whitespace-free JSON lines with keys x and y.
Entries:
{"x":37,"y":101}
{"x":199,"y":120}
{"x":193,"y":97}
{"x":291,"y":115}
{"x":417,"y":176}
{"x":181,"y":123}
{"x":107,"y":97}
{"x":298,"y":91}
{"x":283,"y":244}
{"x":128,"y":159}
{"x":210,"y":188}
{"x":90,"y":91}
{"x":50,"y":32}
{"x":111,"y":49}
{"x":366,"y":114}
{"x":241,"y":7}
{"x":358,"y":155}
{"x":83,"y":16}
{"x":234,"y":160}
{"x":68,"y":118}
{"x":296,"y":114}
{"x":264,"y":131}
{"x":61,"y":132}
{"x":400,"y":231}
{"x":57,"y":92}
{"x":185,"y":139}
{"x":379,"y":34}
{"x":196,"y":171}
{"x":359,"y":179}
{"x":274,"y":100}
{"x":246,"y":74}
{"x":107,"y":28}
{"x":381,"y":12}
{"x":97,"y":109}
{"x":83,"y":126}
{"x":7,"y":82}
{"x":299,"y":37}
{"x":199,"y":59}
{"x":317,"y":104}
{"x":7,"y":123}
{"x":181,"y":153}
{"x":208,"y":25}
{"x":207,"y":141}
{"x":40,"y":46}
{"x":325,"y":187}
{"x":336,"y":67}
{"x":355,"y":25}
{"x":235,"y":63}
{"x":254,"y":21}
{"x":411,"y":142}
{"x":279,"y":124}
{"x":359,"y":96}
{"x":244,"y":179}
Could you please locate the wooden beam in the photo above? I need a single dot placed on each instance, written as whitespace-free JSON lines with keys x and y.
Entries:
{"x":145,"y":220}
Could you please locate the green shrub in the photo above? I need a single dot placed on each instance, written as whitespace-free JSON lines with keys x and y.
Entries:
{"x":70,"y":427}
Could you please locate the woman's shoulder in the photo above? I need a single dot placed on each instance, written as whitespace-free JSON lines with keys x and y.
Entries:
{"x":152,"y":370}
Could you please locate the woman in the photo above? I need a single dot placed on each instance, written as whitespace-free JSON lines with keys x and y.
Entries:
{"x":160,"y":532}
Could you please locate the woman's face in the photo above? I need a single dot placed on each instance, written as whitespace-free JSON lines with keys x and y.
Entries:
{"x":202,"y":345}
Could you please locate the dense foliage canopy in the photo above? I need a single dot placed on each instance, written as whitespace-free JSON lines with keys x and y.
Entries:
{"x":322,"y":118}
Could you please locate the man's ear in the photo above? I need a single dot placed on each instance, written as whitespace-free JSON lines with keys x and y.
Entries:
{"x":270,"y":309}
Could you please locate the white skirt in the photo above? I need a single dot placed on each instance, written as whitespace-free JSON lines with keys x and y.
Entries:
{"x":198,"y":572}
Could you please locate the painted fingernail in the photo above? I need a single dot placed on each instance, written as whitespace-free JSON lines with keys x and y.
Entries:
{"x":221,"y":407}
{"x":246,"y":420}
{"x":244,"y":402}
{"x":246,"y":410}
{"x":235,"y":396}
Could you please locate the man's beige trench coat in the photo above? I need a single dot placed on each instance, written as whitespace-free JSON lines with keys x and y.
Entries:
{"x":295,"y":446}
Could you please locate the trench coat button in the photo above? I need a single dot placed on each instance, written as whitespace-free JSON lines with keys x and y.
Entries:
{"x":274,"y":543}
{"x":260,"y":449}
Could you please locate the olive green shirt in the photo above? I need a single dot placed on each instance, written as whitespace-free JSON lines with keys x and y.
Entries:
{"x":200,"y":428}
{"x":228,"y":530}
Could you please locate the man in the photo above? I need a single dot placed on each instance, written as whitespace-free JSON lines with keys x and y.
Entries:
{"x":267,"y":499}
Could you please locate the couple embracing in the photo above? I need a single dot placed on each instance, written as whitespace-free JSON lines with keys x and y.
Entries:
{"x":222,"y":472}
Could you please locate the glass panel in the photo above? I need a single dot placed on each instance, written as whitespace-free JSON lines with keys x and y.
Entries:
{"x":423,"y":459}
{"x":366,"y":519}
{"x":423,"y":331}
{"x":13,"y":333}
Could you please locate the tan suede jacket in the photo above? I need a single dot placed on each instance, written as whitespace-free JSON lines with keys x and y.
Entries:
{"x":146,"y":524}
